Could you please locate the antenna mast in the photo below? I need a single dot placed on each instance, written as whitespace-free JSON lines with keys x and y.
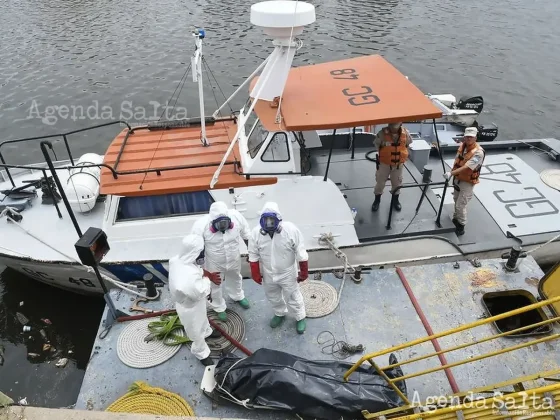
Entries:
{"x":281,"y":20}
{"x":196,"y":62}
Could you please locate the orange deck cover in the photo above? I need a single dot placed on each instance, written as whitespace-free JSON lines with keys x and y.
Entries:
{"x":174,"y":147}
{"x":356,"y":92}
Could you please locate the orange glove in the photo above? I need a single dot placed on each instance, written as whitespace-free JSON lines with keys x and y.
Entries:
{"x":214,"y":277}
{"x":256,"y":272}
{"x":303,"y":271}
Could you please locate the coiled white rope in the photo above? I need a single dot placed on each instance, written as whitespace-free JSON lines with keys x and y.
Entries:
{"x":327,"y":239}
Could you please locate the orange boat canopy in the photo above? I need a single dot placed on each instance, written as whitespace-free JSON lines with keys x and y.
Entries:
{"x":173,"y":148}
{"x":356,"y":92}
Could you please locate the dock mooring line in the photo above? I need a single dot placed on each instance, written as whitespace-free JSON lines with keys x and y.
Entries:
{"x":428,"y":329}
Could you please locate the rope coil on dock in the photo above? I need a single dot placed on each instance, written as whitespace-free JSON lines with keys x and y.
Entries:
{"x":145,"y":399}
{"x":319,"y":297}
{"x":234,"y":326}
{"x":134,"y":351}
{"x":551,"y":177}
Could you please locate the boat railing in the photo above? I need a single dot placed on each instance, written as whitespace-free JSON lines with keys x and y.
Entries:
{"x":64,"y":137}
{"x":46,"y":145}
{"x":159,"y":125}
{"x":446,"y":367}
{"x":424,"y":186}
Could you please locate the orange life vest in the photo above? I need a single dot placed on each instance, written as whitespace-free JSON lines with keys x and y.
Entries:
{"x":393,"y":153}
{"x":468,"y":175}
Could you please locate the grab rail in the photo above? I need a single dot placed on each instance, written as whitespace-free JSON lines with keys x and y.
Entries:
{"x":424,"y":187}
{"x":392,"y":381}
{"x":50,"y":136}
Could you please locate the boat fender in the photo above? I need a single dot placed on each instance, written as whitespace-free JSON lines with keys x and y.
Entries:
{"x":82,"y":187}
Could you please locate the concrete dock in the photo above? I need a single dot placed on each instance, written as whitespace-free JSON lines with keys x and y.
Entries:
{"x":377,"y":313}
{"x":37,"y":413}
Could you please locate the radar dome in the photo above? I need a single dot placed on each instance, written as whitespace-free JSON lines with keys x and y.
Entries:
{"x":282,"y":20}
{"x":278,"y":17}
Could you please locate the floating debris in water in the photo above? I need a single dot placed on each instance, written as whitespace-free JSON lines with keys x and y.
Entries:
{"x":5,"y":401}
{"x":26,"y":328}
{"x":46,"y":321}
{"x":44,"y":335}
{"x":2,"y":350}
{"x":46,"y":347}
{"x":33,"y":355}
{"x":21,"y":303}
{"x":23,"y":401}
{"x":62,"y":362}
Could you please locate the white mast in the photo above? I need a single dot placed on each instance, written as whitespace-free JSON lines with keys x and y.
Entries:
{"x":196,"y":63}
{"x":281,"y":20}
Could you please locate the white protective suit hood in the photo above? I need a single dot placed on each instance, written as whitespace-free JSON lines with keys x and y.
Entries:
{"x":186,"y":282}
{"x":271,"y":207}
{"x":222,"y":250}
{"x":218,"y":209}
{"x":191,"y":247}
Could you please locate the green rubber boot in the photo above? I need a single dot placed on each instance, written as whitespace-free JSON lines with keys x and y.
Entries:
{"x":276,"y":321}
{"x":222,"y":316}
{"x":300,"y":326}
{"x":244,"y":303}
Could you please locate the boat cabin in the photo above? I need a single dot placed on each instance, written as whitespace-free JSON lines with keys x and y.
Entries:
{"x":312,"y":153}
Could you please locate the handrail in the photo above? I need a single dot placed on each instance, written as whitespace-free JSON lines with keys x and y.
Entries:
{"x":424,"y":187}
{"x":391,"y":382}
{"x":116,"y":173}
{"x":43,"y":146}
{"x":50,"y":136}
{"x":500,"y":406}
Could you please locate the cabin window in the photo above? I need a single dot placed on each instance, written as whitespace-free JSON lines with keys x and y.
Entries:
{"x":167,"y":205}
{"x":277,"y":150}
{"x":257,"y":136}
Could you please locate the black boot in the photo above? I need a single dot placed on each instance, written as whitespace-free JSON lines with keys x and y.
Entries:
{"x":455,"y":222}
{"x":460,"y":229}
{"x":375,"y":205}
{"x":396,"y":205}
{"x":215,"y":334}
{"x":207,"y":362}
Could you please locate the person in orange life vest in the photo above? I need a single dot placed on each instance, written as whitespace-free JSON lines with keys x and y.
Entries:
{"x":465,"y":173}
{"x":392,"y":144}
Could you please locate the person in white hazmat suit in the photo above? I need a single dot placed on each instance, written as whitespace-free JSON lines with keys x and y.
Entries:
{"x":222,"y":229}
{"x":274,"y":249}
{"x":190,"y":291}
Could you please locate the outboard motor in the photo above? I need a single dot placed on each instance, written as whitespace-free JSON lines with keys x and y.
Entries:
{"x":487,"y":133}
{"x":474,"y":103}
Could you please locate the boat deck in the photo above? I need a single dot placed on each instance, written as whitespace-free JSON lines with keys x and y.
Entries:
{"x":376,"y":313}
{"x":51,"y":233}
{"x":509,"y":193}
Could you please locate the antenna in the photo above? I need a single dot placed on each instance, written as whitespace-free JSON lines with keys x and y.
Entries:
{"x":281,"y":20}
{"x":196,"y":62}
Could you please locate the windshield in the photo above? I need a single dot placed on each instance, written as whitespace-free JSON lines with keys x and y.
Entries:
{"x":256,"y":134}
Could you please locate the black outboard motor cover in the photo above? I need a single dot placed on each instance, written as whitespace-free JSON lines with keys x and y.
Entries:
{"x":475,"y":103}
{"x":310,"y":388}
{"x":487,"y":133}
